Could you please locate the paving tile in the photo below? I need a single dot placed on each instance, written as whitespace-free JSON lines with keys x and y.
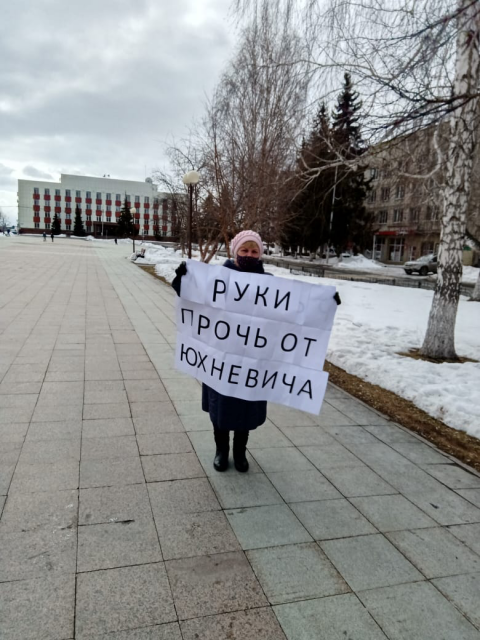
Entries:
{"x":249,"y":490}
{"x":102,"y":411}
{"x":32,"y":554}
{"x":358,"y":412}
{"x":57,"y":413}
{"x":335,"y":618}
{"x":269,"y":526}
{"x":368,"y":562}
{"x":445,"y":506}
{"x":306,"y":436}
{"x":111,"y":471}
{"x":416,"y":611}
{"x":209,"y":585}
{"x":147,"y":408}
{"x":104,"y":386}
{"x":357,"y":481}
{"x":165,"y":422}
{"x":260,"y":624}
{"x":20,"y":387}
{"x":139,"y":374}
{"x":331,"y":457}
{"x":38,"y":609}
{"x":436,"y":552}
{"x":13,"y":431}
{"x":330,"y":519}
{"x":170,"y":631}
{"x":64,"y":376}
{"x":464,"y":592}
{"x":19,"y":400}
{"x":281,"y":459}
{"x":345,"y":435}
{"x":392,"y":513}
{"x":105,"y":397}
{"x":105,"y":448}
{"x":188,"y":408}
{"x":114,"y":504}
{"x":420,"y":453}
{"x":267,"y":436}
{"x":195,"y":534}
{"x":122,"y":599}
{"x":15,"y":414}
{"x":155,"y":444}
{"x":175,"y":466}
{"x":182,"y":496}
{"x":286,"y":417}
{"x":52,"y":450}
{"x":114,"y":373}
{"x":303,"y":486}
{"x":63,"y":429}
{"x":390,"y":434}
{"x":472,"y":495}
{"x":108,"y":427}
{"x":148,"y":395}
{"x":469,"y":534}
{"x":34,"y":478}
{"x":454,"y":476}
{"x":198,"y":422}
{"x":117,"y":544}
{"x":63,"y":388}
{"x":56,"y":510}
{"x":295,"y":572}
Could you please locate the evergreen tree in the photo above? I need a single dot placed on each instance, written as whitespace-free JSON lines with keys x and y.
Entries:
{"x":311,"y":207}
{"x":56,"y":227}
{"x":352,"y":225}
{"x":126,"y":227}
{"x":78,"y":228}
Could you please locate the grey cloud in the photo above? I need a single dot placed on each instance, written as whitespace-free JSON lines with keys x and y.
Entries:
{"x":32,"y":172}
{"x":5,"y":171}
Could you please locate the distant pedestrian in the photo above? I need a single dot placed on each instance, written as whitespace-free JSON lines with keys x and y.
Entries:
{"x":116,"y":241}
{"x":52,"y":235}
{"x":44,"y":236}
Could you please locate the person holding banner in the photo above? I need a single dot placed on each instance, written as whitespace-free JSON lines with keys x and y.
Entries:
{"x":229,"y":413}
{"x":226,"y":413}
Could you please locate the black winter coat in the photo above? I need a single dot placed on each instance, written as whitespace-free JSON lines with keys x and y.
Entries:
{"x":226,"y":413}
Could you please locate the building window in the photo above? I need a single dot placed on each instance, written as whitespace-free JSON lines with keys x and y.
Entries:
{"x":164,"y":233}
{"x":427,"y":248}
{"x":398,"y":215}
{"x":373,"y":173}
{"x":397,"y":248}
{"x":99,"y":195}
{"x":89,"y":219}
{"x":99,"y":218}
{"x":372,"y":196}
{"x":414,"y":215}
{"x":78,"y":194}
{"x":47,"y":225}
{"x":383,"y":217}
{"x":68,"y":227}
{"x":127,"y":197}
{"x":118,"y":197}
{"x":36,"y":191}
{"x":108,"y":207}
{"x":37,"y":225}
{"x":89,"y":194}
{"x":147,"y":200}
{"x":68,"y":216}
{"x":433,"y":213}
{"x":137,"y":199}
{"x":385,"y":193}
{"x":108,"y":196}
{"x":47,"y":192}
{"x":57,"y":192}
{"x":400,"y":192}
{"x":68,"y":193}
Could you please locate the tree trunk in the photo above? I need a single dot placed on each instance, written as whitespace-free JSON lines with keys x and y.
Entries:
{"x":439,"y":340}
{"x":476,"y":291}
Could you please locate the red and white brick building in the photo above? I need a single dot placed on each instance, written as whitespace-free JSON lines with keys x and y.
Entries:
{"x":100,"y":201}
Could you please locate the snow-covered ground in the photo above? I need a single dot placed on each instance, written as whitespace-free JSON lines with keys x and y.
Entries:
{"x":374,"y":323}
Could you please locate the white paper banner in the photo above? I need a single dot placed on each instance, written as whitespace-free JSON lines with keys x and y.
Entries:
{"x":253,"y":336}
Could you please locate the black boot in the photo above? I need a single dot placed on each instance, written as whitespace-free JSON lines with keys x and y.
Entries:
{"x":240,"y":440}
{"x":222,"y":440}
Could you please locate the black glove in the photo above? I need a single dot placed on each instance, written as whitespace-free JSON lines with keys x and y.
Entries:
{"x":336,"y":297}
{"x":181,"y":270}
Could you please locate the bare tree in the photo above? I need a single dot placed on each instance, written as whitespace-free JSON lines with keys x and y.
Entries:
{"x":415,"y":63}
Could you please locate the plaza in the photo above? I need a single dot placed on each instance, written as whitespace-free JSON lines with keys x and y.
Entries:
{"x":115,"y":526}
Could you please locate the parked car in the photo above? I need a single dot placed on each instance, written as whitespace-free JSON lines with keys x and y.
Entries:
{"x":422,"y":266}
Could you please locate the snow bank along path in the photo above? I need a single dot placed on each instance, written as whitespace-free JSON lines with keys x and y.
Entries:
{"x":374,"y":323}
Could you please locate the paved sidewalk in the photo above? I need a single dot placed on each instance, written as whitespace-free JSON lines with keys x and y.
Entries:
{"x":116,"y":527}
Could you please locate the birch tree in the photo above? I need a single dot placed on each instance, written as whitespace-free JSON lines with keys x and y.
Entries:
{"x":415,"y":63}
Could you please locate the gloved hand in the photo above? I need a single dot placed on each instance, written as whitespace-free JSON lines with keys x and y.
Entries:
{"x":336,"y":297}
{"x":181,"y":270}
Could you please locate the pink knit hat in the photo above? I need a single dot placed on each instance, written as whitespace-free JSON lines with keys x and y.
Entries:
{"x":246,"y":236}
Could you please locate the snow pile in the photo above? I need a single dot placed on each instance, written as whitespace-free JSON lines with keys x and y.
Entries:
{"x":470,"y":274}
{"x":359,"y":262}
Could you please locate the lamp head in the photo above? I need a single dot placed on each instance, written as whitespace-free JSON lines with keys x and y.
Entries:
{"x":192,"y":177}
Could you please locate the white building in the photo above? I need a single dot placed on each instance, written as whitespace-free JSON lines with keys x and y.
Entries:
{"x":100,"y":201}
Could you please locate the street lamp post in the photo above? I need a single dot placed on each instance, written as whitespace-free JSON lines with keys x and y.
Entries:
{"x":331,"y":212}
{"x":133,"y":211}
{"x":190,"y":179}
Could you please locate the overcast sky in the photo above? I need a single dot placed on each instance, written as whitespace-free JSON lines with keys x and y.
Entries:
{"x":99,"y":86}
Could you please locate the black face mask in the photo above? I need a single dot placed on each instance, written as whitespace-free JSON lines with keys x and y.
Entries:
{"x":248,"y":263}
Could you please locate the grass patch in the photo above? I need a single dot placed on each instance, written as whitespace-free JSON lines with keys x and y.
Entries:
{"x":150,"y":268}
